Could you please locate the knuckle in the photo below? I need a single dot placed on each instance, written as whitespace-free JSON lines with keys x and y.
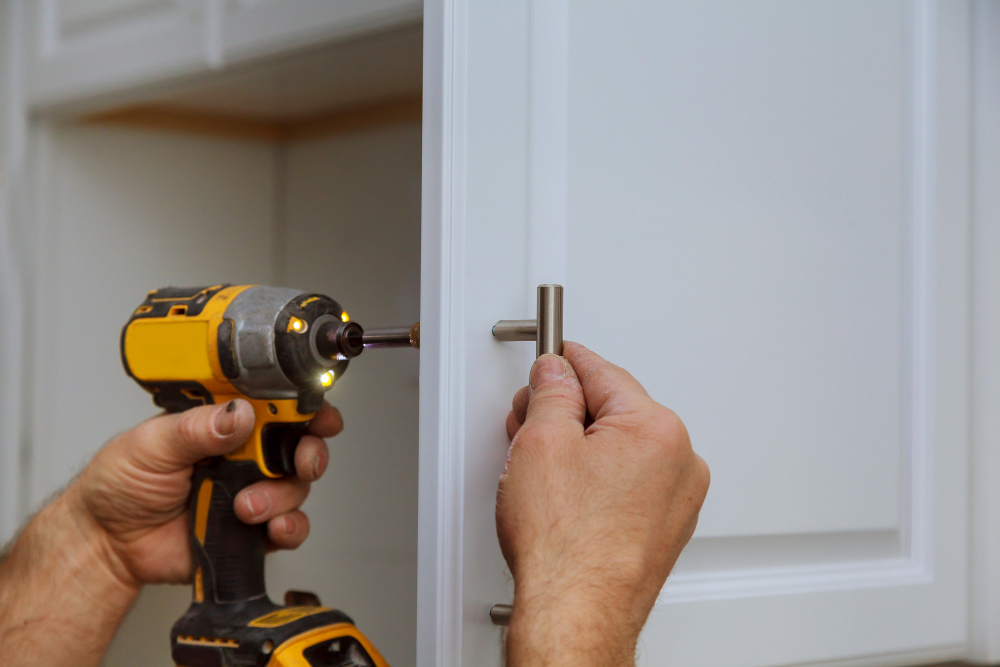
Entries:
{"x":188,"y":427}
{"x":300,"y":490}
{"x":555,"y":400}
{"x":534,"y":431}
{"x":144,"y":432}
{"x":290,"y":529}
{"x":668,"y":429}
{"x":540,"y":435}
{"x":306,"y":448}
{"x":703,"y":475}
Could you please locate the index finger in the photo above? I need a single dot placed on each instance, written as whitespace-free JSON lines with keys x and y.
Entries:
{"x":327,"y":422}
{"x":608,"y":389}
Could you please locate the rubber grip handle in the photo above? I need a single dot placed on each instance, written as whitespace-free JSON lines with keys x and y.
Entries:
{"x":228,"y":554}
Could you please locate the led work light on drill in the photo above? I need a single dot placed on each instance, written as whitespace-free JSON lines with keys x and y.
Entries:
{"x":280,"y":350}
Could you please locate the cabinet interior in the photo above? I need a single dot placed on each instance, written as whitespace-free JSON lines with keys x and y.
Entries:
{"x":301,"y":170}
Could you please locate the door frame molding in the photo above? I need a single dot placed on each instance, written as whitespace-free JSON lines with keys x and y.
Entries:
{"x":442,"y":368}
{"x":984,"y":630}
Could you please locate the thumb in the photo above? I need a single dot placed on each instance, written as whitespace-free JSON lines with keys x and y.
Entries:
{"x":554,"y":392}
{"x":172,"y":442}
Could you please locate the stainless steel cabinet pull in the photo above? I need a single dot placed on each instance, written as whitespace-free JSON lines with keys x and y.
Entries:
{"x":546,"y":330}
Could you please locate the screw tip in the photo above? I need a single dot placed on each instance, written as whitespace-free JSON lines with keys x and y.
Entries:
{"x":415,"y":335}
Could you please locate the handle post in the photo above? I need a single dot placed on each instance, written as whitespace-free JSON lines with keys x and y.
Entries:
{"x":510,"y":330}
{"x":549,"y":334}
{"x":500,"y":614}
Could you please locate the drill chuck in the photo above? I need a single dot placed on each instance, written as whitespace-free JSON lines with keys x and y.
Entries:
{"x":339,"y":340}
{"x":346,"y":340}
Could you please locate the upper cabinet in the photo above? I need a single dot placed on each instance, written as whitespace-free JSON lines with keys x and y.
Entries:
{"x":252,"y":28}
{"x":81,"y":49}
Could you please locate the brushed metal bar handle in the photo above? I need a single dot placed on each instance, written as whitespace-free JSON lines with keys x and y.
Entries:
{"x":549,"y":338}
{"x":546,"y":330}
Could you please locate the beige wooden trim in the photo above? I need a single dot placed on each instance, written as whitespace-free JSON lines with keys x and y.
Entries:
{"x":249,"y":128}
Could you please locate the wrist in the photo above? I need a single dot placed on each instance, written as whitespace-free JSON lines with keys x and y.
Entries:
{"x":554,"y":624}
{"x":62,"y":590}
{"x":104,"y":566}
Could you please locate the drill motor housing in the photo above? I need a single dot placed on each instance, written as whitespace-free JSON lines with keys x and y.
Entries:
{"x":195,"y":346}
{"x":281,"y":350}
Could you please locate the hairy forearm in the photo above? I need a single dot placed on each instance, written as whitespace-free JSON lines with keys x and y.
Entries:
{"x":61,"y":595}
{"x":568,"y":630}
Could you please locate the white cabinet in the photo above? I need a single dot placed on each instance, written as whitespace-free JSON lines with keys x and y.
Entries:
{"x":81,"y":49}
{"x":257,"y":27}
{"x":76,"y":48}
{"x":762,"y":211}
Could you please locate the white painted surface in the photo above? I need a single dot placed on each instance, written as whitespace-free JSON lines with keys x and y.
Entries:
{"x":121,"y":212}
{"x":13,"y":130}
{"x":985,"y":545}
{"x":82,"y":49}
{"x":353,"y":232}
{"x":78,"y":49}
{"x":548,"y":136}
{"x":751,"y":236}
{"x":256,"y":28}
{"x":769,"y":204}
{"x":353,"y":73}
{"x":440,"y":501}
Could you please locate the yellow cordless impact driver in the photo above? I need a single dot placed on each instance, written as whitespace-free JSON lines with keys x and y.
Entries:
{"x":281,"y":350}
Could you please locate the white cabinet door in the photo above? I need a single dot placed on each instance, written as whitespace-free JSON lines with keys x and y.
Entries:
{"x":760,"y":209}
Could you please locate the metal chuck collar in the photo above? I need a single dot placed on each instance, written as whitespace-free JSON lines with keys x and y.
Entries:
{"x":346,"y":340}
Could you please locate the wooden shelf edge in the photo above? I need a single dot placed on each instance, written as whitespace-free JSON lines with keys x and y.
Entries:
{"x":163,"y":117}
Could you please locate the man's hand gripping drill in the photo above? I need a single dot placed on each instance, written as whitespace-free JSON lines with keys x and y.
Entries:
{"x":271,"y":354}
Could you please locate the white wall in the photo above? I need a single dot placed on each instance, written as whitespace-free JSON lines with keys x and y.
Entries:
{"x":353,"y":217}
{"x":13,"y":129}
{"x":119,"y":212}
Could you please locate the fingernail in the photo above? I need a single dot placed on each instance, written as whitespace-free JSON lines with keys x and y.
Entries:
{"x":287,"y":525}
{"x":315,"y":466}
{"x":547,"y":367}
{"x":257,"y":503}
{"x":225,"y":420}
